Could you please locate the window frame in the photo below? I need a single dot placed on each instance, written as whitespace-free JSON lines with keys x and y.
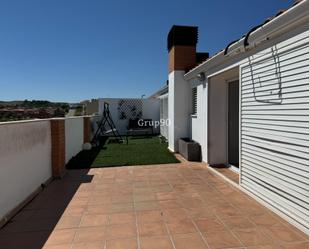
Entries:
{"x":194,"y":101}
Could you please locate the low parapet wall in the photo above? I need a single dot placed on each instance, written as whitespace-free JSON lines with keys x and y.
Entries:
{"x":32,"y":153}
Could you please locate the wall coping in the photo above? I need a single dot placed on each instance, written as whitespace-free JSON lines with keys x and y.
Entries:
{"x":42,"y":120}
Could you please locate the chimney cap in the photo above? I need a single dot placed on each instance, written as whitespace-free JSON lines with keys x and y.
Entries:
{"x":182,"y":35}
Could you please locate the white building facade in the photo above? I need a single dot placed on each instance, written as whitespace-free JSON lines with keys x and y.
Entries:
{"x":252,"y":108}
{"x":124,"y":109}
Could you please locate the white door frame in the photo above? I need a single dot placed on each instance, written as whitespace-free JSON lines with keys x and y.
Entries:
{"x":232,"y":167}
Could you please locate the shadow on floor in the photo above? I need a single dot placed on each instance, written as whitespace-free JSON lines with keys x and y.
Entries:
{"x":32,"y":226}
{"x":85,"y":158}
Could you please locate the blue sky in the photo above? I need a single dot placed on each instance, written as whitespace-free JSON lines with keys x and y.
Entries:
{"x":71,"y":50}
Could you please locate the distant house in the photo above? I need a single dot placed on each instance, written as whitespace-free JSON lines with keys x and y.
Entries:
{"x":248,"y":108}
{"x":91,"y":106}
{"x":123,"y":110}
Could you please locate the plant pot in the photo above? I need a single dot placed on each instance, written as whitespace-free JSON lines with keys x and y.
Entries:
{"x":189,"y":149}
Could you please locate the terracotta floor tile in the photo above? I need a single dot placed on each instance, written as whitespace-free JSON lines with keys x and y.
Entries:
{"x":169,"y":204}
{"x":190,"y":195}
{"x":142,"y":191}
{"x":229,"y":174}
{"x":158,"y":181}
{"x":74,"y":211}
{"x":291,"y":227}
{"x":122,"y":199}
{"x":252,"y":237}
{"x":87,"y":234}
{"x":162,"y":242}
{"x":181,"y":227}
{"x":122,"y":218}
{"x":223,"y":239}
{"x":265,"y":247}
{"x":68,"y":222}
{"x":283,"y":233}
{"x":149,"y":216}
{"x":148,"y":205}
{"x":122,"y":244}
{"x":121,"y":231}
{"x":265,"y":219}
{"x":215,"y":202}
{"x":238,"y":223}
{"x":162,"y":188}
{"x":141,"y":184}
{"x":99,"y":200}
{"x":93,"y":220}
{"x":89,"y":245}
{"x":98,"y":209}
{"x":296,"y":245}
{"x":173,"y":215}
{"x":152,"y":229}
{"x":251,"y":209}
{"x":189,"y":241}
{"x":161,"y":196}
{"x":80,"y":201}
{"x":210,"y":225}
{"x":227,"y":211}
{"x":200,"y":212}
{"x":192,"y":202}
{"x":102,"y":204}
{"x":182,"y":187}
{"x":121,"y":207}
{"x":144,"y":197}
{"x":62,"y":246}
{"x":64,"y":236}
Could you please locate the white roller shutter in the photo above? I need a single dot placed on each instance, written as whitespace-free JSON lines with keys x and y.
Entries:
{"x":274,"y":149}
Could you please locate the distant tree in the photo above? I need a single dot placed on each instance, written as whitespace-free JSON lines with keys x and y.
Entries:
{"x":65,"y":107}
{"x":59,"y":113}
{"x":79,"y":111}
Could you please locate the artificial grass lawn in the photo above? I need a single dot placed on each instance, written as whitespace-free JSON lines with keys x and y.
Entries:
{"x":139,"y":151}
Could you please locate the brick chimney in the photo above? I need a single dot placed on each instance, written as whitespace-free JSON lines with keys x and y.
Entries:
{"x":181,"y":45}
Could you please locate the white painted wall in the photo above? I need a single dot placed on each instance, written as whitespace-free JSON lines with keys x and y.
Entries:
{"x":171,"y":108}
{"x":74,"y":136}
{"x":164,"y":115}
{"x":217,"y":123}
{"x":179,"y":108}
{"x":199,"y":121}
{"x":151,"y":110}
{"x":25,"y":160}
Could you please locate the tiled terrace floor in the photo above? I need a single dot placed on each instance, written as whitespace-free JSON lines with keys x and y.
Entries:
{"x":229,"y":174}
{"x":181,"y":206}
